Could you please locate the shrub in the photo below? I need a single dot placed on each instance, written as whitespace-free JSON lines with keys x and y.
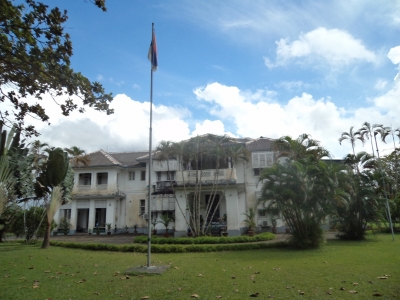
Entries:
{"x":266,"y":236}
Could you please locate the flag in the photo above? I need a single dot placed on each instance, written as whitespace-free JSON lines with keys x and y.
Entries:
{"x":152,"y":56}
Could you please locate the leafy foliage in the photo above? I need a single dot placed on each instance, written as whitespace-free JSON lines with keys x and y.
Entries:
{"x":303,"y":188}
{"x":35,"y":59}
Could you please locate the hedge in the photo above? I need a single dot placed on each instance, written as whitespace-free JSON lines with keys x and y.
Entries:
{"x":266,"y":236}
{"x":171,"y":248}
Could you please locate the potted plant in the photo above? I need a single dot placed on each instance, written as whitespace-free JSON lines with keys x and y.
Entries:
{"x":165,"y":220}
{"x":108,"y":228}
{"x":135,"y":228}
{"x":274,"y":223}
{"x":97,"y":229}
{"x":65,"y":225}
{"x":90,"y":231}
{"x":224,"y":231}
{"x":154,"y":223}
{"x":250,"y":221}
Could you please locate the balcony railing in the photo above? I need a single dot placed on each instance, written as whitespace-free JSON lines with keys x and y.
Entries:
{"x":164,"y":187}
{"x":207,"y":176}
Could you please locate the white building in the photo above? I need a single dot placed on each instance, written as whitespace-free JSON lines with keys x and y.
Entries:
{"x":114,"y":189}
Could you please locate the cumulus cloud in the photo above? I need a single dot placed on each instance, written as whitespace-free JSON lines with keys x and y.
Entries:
{"x":334,"y":47}
{"x":302,"y":114}
{"x":394,"y":55}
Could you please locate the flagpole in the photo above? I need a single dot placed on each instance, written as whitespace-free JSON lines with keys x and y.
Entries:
{"x":150,"y":160}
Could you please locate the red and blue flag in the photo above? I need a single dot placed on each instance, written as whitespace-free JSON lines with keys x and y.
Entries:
{"x":152,"y":56}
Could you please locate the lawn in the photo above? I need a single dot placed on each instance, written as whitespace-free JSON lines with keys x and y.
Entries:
{"x":28,"y":272}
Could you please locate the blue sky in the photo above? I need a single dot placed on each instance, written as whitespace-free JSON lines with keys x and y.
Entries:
{"x":246,"y":68}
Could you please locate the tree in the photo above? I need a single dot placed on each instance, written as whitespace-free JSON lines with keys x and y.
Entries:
{"x":35,"y":56}
{"x":303,"y":188}
{"x":78,"y":156}
{"x":54,"y":184}
{"x":351,"y":136}
{"x":363,"y":204}
{"x":200,"y":153}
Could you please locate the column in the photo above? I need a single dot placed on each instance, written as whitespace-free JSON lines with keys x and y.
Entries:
{"x":73,"y":220}
{"x":180,"y":223}
{"x":232,"y":212}
{"x":110,"y":213}
{"x":92,"y":214}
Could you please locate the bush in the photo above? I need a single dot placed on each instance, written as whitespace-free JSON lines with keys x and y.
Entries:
{"x":266,"y":236}
{"x":310,"y":237}
{"x":171,"y":248}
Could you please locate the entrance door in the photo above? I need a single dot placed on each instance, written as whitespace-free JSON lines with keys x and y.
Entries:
{"x":83,"y":220}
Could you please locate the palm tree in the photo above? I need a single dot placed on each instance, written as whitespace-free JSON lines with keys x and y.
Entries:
{"x":250,"y":220}
{"x":352,"y":137}
{"x":303,"y":189}
{"x":366,"y":132}
{"x":55,"y":181}
{"x":300,"y":148}
{"x":78,"y":156}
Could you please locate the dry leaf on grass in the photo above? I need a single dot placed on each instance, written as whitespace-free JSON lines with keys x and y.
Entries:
{"x":355,"y":283}
{"x":353,"y":292}
{"x":382,"y":277}
{"x":255,"y":295}
{"x":200,"y":275}
{"x":195,"y":296}
{"x":96,"y":293}
{"x":145,"y":297}
{"x":342,"y":288}
{"x":218,"y":297}
{"x":47,"y":271}
{"x":329,"y":293}
{"x":377,"y":295}
{"x":176,"y":268}
{"x":179,"y":289}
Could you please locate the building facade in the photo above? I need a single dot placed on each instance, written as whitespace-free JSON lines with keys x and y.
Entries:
{"x":113,"y":189}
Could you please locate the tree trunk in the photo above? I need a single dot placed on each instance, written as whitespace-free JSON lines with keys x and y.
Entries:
{"x":46,"y":240}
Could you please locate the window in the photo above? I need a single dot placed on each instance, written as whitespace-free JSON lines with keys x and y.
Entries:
{"x":257,"y":172}
{"x":132,"y":175}
{"x":171,"y":175}
{"x":262,"y":159}
{"x":158,"y":176}
{"x":85,"y":179}
{"x":66,"y":214}
{"x":142,"y":175}
{"x":102,"y":178}
{"x":142,"y":206}
{"x":262,"y":213}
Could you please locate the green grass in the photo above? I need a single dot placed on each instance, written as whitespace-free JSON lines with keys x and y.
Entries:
{"x":78,"y":274}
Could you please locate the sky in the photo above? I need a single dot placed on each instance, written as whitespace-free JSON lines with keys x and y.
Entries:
{"x":243,"y":68}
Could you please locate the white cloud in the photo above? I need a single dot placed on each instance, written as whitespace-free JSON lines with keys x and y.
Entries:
{"x":334,"y":47}
{"x":302,"y":114}
{"x":394,"y":55}
{"x":100,"y":77}
{"x":381,"y":84}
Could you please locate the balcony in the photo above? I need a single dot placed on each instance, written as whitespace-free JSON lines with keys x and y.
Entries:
{"x":207,"y":177}
{"x":164,"y":187}
{"x":162,"y":166}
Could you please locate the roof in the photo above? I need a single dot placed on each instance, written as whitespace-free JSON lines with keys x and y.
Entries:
{"x":261,"y":144}
{"x":102,"y":158}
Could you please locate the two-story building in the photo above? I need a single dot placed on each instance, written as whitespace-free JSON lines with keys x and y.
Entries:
{"x":113,"y":189}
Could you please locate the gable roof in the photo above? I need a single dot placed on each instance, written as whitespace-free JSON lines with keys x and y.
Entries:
{"x":261,"y":144}
{"x":102,"y":158}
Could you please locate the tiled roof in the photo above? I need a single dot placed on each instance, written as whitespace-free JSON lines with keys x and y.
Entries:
{"x":261,"y":144}
{"x":102,"y":158}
